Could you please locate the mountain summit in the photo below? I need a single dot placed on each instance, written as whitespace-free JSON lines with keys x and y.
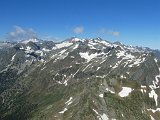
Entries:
{"x":78,"y":79}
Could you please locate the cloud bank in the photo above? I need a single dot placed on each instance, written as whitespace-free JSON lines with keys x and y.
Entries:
{"x":20,"y":33}
{"x":78,"y":30}
{"x":109,"y":32}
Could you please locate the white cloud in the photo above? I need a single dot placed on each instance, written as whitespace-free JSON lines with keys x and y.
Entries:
{"x":78,"y":29}
{"x":109,"y":32}
{"x":19,"y":33}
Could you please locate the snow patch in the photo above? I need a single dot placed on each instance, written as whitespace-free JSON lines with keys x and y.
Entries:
{"x":69,"y":101}
{"x":46,"y":50}
{"x":143,"y":89}
{"x":61,"y":52}
{"x":127,"y":72}
{"x":28,"y":49}
{"x":137,"y":62}
{"x":117,"y":64}
{"x":95,"y":111}
{"x":101,"y":95}
{"x":21,"y":48}
{"x":76,"y":46}
{"x":143,"y":86}
{"x":101,"y":117}
{"x":106,"y":43}
{"x":39,"y":52}
{"x":156,"y":110}
{"x":157,"y":77}
{"x":63,"y":44}
{"x":110,"y":90}
{"x":13,"y":57}
{"x":91,"y":46}
{"x":65,"y":82}
{"x":86,"y":67}
{"x":155,"y":85}
{"x":43,"y":68}
{"x":120,"y":54}
{"x":153,"y":94}
{"x":152,"y":117}
{"x":101,"y":76}
{"x":88,"y":56}
{"x":104,"y":117}
{"x":76,"y":40}
{"x":122,"y":76}
{"x":65,"y":109}
{"x":98,"y":68}
{"x":125,"y":91}
{"x":155,"y":60}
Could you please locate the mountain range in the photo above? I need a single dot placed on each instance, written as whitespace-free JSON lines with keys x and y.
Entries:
{"x":78,"y":79}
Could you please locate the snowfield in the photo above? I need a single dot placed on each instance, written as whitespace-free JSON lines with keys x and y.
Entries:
{"x":125,"y":91}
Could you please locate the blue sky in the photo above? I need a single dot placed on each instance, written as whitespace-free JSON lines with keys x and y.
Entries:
{"x":135,"y":22}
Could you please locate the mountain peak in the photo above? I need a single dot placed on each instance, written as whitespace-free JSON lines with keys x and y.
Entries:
{"x":75,"y":39}
{"x":34,"y":39}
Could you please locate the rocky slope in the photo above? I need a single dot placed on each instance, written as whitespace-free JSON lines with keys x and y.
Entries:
{"x":78,"y":79}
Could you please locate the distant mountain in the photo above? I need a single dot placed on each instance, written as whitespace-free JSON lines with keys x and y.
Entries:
{"x":78,"y":79}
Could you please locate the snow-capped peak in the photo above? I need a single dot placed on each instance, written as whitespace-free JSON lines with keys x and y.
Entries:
{"x":30,"y":40}
{"x":75,"y":39}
